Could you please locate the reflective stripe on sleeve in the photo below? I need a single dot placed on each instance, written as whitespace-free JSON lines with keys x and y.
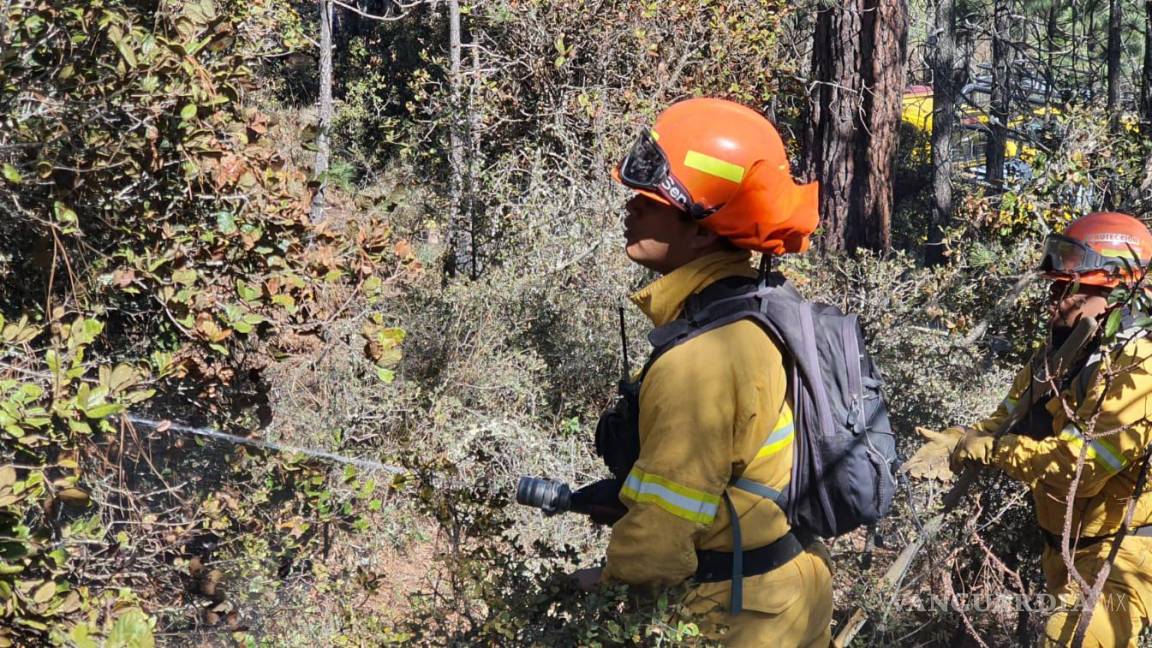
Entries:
{"x":1099,"y":450}
{"x":781,"y":437}
{"x":1009,"y":404}
{"x":691,"y":504}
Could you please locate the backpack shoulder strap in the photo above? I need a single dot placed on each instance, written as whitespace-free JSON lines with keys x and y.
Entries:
{"x":721,"y":303}
{"x":724,"y":296}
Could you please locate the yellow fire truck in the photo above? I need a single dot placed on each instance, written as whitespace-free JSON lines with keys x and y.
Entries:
{"x":968,"y":147}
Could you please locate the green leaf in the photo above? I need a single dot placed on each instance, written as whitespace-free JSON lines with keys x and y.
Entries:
{"x":247,"y":292}
{"x":131,"y":630}
{"x":32,"y":623}
{"x":139,"y":396}
{"x":392,"y":335}
{"x":33,"y":23}
{"x":31,"y":391}
{"x":1112,"y":326}
{"x":11,"y":174}
{"x":225,"y":222}
{"x":386,"y":375}
{"x":59,"y":556}
{"x":81,"y":637}
{"x":287,"y":301}
{"x":187,"y":276}
{"x":121,"y":377}
{"x":64,"y":214}
{"x":196,"y":46}
{"x":86,"y":330}
{"x":348,"y":473}
{"x":82,"y":394}
{"x":104,"y":411}
{"x":188,"y":112}
{"x":45,"y":592}
{"x":161,"y":362}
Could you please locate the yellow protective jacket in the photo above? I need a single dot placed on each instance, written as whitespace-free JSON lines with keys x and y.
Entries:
{"x":710,"y":408}
{"x":1111,"y":424}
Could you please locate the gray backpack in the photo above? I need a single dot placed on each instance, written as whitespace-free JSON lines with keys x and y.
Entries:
{"x":844,"y":463}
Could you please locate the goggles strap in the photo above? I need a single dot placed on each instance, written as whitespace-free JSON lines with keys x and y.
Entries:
{"x":664,"y":181}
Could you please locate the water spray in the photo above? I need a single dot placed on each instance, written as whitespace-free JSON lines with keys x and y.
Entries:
{"x":210,"y":433}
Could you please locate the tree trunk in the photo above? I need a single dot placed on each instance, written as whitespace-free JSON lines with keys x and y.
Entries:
{"x":1146,"y":73}
{"x":1114,"y":22}
{"x":858,"y":63}
{"x":1091,"y":39}
{"x":461,"y":250}
{"x":885,"y":56}
{"x":944,"y":91}
{"x":323,"y":146}
{"x":1050,"y":50}
{"x":998,"y":111}
{"x":833,"y":127}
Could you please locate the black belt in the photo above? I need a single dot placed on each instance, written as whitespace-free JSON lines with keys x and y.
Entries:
{"x":1053,"y":540}
{"x":716,"y":566}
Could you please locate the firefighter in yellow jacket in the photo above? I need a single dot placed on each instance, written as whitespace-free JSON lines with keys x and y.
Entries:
{"x":1104,"y":413}
{"x":712,"y":181}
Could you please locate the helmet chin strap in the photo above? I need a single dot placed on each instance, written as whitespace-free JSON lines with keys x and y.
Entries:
{"x":766,"y":263}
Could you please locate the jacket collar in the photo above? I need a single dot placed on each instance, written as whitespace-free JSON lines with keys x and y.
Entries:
{"x":663,"y":299}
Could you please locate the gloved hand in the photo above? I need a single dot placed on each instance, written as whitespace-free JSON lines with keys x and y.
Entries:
{"x":974,"y":446}
{"x":931,"y":460}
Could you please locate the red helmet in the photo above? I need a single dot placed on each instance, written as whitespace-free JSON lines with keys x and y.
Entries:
{"x":1100,"y":249}
{"x":724,"y":164}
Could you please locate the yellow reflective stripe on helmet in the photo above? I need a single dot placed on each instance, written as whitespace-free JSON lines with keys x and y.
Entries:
{"x":1116,"y":252}
{"x":691,"y":504}
{"x":714,"y":166}
{"x":781,"y":437}
{"x":1099,"y":450}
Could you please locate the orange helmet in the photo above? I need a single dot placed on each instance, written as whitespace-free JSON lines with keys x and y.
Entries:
{"x":1100,"y":249}
{"x":725,"y":165}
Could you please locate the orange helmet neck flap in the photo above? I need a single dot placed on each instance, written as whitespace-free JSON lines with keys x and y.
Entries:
{"x":725,"y":165}
{"x":1102,"y":249}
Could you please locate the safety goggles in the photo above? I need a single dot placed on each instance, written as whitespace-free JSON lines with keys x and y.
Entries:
{"x":646,"y":167}
{"x":1065,"y":255}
